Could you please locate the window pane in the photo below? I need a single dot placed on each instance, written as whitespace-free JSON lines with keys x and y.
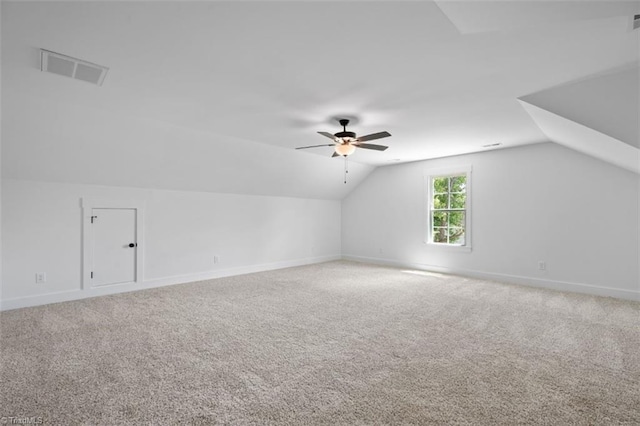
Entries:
{"x":440,"y":185}
{"x":439,"y":234}
{"x":457,"y":219}
{"x":459,"y":183}
{"x":440,"y":201}
{"x":456,"y":236}
{"x":448,"y":209}
{"x":458,"y":201}
{"x":439,"y":219}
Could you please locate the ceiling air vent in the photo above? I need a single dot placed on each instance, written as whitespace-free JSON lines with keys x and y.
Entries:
{"x":72,"y":67}
{"x":636,"y":22}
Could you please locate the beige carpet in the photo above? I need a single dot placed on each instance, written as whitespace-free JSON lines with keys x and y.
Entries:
{"x":337,"y":343}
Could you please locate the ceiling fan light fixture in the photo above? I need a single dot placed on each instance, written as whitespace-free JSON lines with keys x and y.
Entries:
{"x":345,"y":149}
{"x":345,"y":142}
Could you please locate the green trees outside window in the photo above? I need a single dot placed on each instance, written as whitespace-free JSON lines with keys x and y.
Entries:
{"x":448,"y":209}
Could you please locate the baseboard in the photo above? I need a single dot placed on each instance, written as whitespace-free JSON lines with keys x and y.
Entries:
{"x":66,"y":296}
{"x":240,"y":270}
{"x":70,"y":295}
{"x":506,"y":278}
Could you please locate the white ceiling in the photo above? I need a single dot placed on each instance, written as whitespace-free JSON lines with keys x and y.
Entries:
{"x":607,"y":103}
{"x":215,"y":96}
{"x":585,"y":139}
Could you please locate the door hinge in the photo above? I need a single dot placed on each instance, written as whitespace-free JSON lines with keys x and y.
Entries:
{"x":91,"y":274}
{"x":93,"y":217}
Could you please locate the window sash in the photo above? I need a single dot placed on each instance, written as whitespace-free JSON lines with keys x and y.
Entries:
{"x":445,"y":227}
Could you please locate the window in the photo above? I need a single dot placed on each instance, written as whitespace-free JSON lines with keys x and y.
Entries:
{"x":448,"y":201}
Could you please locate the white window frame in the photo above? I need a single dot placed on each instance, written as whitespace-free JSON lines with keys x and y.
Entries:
{"x":445,"y":172}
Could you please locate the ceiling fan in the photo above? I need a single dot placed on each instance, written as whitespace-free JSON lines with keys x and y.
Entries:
{"x":345,"y":143}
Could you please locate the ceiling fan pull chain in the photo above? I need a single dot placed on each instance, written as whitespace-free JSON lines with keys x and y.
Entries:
{"x":346,"y":168}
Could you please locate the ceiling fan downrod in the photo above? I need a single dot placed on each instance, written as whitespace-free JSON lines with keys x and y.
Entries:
{"x":344,"y":136}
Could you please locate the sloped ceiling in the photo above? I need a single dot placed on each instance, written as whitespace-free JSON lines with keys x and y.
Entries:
{"x":598,"y":115}
{"x":215,"y":96}
{"x":516,"y":15}
{"x":585,"y":139}
{"x":607,"y":103}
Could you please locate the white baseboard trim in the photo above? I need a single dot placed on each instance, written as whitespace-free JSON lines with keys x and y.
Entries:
{"x":69,"y":295}
{"x":506,"y":278}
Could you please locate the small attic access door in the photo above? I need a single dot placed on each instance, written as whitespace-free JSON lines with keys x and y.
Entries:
{"x":114,"y":246}
{"x":112,"y":237}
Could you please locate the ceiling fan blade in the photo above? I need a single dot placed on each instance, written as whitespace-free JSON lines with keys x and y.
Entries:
{"x":335,"y":154}
{"x":316,"y":146}
{"x":373,"y":136}
{"x":371,"y":146}
{"x":327,"y":134}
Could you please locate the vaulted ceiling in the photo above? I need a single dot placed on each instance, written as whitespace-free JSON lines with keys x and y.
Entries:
{"x":215,"y":96}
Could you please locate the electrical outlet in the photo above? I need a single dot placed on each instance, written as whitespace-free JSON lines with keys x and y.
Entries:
{"x":542,"y":265}
{"x":216,"y":259}
{"x":41,"y":277}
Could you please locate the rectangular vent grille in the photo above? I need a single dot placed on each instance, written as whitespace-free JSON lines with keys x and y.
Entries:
{"x":636,"y":22}
{"x":72,"y":67}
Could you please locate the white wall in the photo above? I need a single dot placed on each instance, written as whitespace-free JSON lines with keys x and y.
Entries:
{"x":42,"y":225}
{"x":539,"y":202}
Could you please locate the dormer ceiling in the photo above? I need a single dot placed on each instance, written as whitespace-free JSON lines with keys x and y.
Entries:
{"x":215,"y":96}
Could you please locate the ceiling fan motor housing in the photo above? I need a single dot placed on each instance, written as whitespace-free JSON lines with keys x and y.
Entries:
{"x":343,"y":135}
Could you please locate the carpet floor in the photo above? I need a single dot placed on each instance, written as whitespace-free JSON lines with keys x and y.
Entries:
{"x":339,"y":343}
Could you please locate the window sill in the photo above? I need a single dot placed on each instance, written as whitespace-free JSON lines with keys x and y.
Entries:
{"x":451,"y":247}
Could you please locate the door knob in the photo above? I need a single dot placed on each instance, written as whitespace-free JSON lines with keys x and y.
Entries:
{"x":133,"y":244}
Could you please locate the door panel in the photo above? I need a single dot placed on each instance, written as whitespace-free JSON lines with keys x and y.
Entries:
{"x":114,"y":261}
